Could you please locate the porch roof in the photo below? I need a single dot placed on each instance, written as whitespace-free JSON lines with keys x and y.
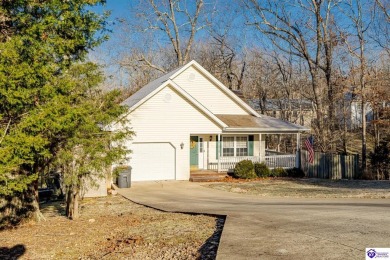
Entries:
{"x":262,"y":124}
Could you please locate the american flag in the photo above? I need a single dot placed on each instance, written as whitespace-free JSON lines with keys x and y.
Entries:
{"x":309,"y":146}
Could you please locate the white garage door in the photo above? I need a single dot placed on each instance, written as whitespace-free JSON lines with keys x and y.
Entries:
{"x":152,"y":161}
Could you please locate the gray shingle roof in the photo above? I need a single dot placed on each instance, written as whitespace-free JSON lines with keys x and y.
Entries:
{"x":235,"y":122}
{"x":147,"y":89}
{"x":259,"y":124}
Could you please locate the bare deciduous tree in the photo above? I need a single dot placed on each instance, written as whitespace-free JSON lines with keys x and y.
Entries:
{"x":381,"y":24}
{"x":356,"y":44}
{"x":306,"y":34}
{"x":384,"y":6}
{"x":173,"y":21}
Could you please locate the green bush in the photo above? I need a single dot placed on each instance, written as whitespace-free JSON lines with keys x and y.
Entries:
{"x":278,"y":172}
{"x":295,"y":173}
{"x":245,"y":170}
{"x":119,"y":169}
{"x":262,"y":170}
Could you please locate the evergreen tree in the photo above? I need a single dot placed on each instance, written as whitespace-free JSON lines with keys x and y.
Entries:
{"x":380,"y":160}
{"x":44,"y":104}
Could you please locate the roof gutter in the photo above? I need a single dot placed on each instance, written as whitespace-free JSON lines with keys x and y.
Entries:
{"x":265,"y":130}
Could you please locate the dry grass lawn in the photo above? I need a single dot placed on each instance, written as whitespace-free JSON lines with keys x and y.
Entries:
{"x":309,"y":188}
{"x":109,"y":228}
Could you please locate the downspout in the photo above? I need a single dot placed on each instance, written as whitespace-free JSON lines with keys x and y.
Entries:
{"x":219,"y":153}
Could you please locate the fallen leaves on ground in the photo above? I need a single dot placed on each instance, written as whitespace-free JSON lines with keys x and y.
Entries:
{"x":111,"y":228}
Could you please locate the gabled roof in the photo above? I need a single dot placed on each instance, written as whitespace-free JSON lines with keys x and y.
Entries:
{"x":149,"y":88}
{"x":262,"y":124}
{"x":144,"y":92}
{"x":219,"y":84}
{"x":229,"y":123}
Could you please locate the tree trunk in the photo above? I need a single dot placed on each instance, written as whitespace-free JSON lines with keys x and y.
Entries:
{"x":72,"y":203}
{"x":363,"y":94}
{"x":345,"y":127}
{"x":331,"y":120}
{"x":364,"y":133}
{"x":20,"y":206}
{"x":33,"y":193}
{"x":321,"y":132}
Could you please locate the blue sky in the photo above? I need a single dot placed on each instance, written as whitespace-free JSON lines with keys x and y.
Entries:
{"x":126,"y":9}
{"x":118,"y":8}
{"x":244,"y":37}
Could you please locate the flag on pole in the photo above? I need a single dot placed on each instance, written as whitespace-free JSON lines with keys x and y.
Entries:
{"x":309,"y":144}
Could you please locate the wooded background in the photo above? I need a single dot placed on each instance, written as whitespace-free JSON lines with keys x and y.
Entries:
{"x":326,"y":57}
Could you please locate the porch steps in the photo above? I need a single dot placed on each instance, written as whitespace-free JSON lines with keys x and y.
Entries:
{"x":207,"y":176}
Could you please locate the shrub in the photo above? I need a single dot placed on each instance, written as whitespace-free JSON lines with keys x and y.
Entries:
{"x":278,"y":172}
{"x":119,"y":169}
{"x":245,"y":170}
{"x":295,"y":173}
{"x":262,"y":170}
{"x":380,"y":161}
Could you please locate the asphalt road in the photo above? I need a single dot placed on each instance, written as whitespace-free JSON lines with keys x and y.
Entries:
{"x":276,"y":228}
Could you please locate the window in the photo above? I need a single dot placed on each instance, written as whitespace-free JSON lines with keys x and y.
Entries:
{"x":241,"y":146}
{"x":235,"y":146}
{"x":227,"y":146}
{"x":201,"y":145}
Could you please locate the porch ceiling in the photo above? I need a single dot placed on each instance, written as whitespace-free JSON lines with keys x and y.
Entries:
{"x":262,"y":124}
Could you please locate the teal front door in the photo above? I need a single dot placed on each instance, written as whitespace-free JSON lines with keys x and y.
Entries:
{"x":194,"y":153}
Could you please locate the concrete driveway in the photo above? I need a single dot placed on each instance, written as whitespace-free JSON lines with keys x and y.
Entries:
{"x":277,"y":228}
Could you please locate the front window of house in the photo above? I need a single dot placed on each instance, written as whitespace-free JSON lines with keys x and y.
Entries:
{"x":228,"y":146}
{"x":235,"y":146}
{"x":241,"y":146}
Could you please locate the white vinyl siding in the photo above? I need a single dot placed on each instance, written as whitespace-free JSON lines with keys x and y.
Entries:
{"x":169,"y":117}
{"x":208,"y":94}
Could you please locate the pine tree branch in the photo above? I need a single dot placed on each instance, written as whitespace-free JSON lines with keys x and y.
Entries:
{"x":5,"y":131}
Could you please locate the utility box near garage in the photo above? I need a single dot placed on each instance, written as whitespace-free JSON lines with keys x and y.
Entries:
{"x":124,"y":178}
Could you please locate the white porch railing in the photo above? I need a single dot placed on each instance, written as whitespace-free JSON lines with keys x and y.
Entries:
{"x":272,"y":161}
{"x":228,"y":163}
{"x":281,"y":161}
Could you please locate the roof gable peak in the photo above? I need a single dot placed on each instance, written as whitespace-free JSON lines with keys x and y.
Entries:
{"x":144,"y":92}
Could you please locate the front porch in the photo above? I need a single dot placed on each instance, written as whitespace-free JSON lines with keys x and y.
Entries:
{"x":221,"y":152}
{"x":217,"y":171}
{"x":207,"y":176}
{"x":245,"y":138}
{"x":227,"y":164}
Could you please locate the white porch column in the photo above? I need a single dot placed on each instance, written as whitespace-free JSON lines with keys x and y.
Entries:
{"x":219,"y":152}
{"x":208,"y":153}
{"x":260,"y":149}
{"x":298,"y":152}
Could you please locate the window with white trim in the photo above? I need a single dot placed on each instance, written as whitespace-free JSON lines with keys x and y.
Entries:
{"x":228,"y":146}
{"x":241,"y":146}
{"x":234,"y":146}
